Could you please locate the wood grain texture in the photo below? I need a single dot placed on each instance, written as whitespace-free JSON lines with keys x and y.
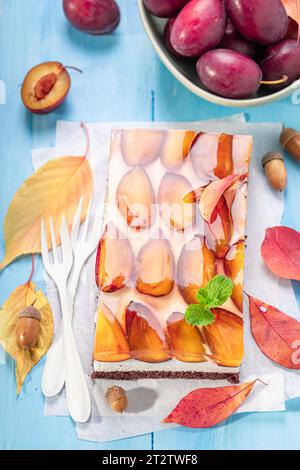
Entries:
{"x":123,"y":80}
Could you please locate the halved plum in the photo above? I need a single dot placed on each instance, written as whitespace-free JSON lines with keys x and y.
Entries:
{"x":196,"y":267}
{"x":221,"y":228}
{"x":110,"y":344}
{"x":141,"y":146}
{"x":234,"y":268}
{"x":172,"y":190}
{"x":176,"y":148}
{"x":155,"y":268}
{"x":225,"y":166}
{"x":193,"y":196}
{"x":238,"y":210}
{"x":135,"y":198}
{"x":219,"y":156}
{"x":204,"y":144}
{"x":145,"y":335}
{"x":114,"y":262}
{"x":185,"y":340}
{"x":225,"y":338}
{"x":45,"y":87}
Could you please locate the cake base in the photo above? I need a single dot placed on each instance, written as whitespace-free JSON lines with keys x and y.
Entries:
{"x":233,"y":378}
{"x":173,"y":369}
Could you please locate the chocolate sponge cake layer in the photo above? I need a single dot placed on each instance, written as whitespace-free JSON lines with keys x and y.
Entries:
{"x":233,"y":378}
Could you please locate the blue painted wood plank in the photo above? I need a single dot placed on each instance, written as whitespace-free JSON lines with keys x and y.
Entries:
{"x":32,"y":32}
{"x":121,"y":75}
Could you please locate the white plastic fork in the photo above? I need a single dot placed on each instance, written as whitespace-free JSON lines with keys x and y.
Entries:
{"x":53,"y":379}
{"x":84,"y":244}
{"x":77,"y":394}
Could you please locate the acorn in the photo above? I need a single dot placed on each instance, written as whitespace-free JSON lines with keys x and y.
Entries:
{"x":116,"y":398}
{"x":273,"y":164}
{"x":290,"y":141}
{"x":28,"y":327}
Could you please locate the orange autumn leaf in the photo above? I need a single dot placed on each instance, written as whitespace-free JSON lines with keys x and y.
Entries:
{"x":206,"y":407}
{"x":276,"y":334}
{"x":53,"y":190}
{"x":24,"y":296}
{"x":293,"y":9}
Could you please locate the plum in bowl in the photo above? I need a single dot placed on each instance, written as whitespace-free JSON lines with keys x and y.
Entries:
{"x":174,"y":43}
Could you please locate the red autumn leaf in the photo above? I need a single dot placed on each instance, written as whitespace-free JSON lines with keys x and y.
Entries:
{"x":293,"y":9}
{"x":276,"y":334}
{"x":205,"y":407}
{"x":280,"y":251}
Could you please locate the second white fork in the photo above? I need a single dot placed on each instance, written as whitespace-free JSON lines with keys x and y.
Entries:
{"x":53,"y":379}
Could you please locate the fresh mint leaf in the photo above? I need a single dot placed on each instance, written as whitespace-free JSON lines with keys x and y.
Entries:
{"x":202,"y":297}
{"x":197,"y":315}
{"x":213,"y":295}
{"x":218,"y":290}
{"x":192,"y":314}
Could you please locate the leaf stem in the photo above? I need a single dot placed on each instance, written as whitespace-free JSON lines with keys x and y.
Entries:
{"x":87,"y":134}
{"x":32,"y":269}
{"x":261,"y":381}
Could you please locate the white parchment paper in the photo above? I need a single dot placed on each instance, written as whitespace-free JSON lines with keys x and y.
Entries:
{"x":151,"y":400}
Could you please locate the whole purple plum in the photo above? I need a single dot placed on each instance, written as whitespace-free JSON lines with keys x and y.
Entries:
{"x":167,"y":34}
{"x":228,"y":73}
{"x":262,"y":21}
{"x":93,"y":16}
{"x":234,"y":41}
{"x":164,"y":8}
{"x":198,"y":27}
{"x":281,"y":59}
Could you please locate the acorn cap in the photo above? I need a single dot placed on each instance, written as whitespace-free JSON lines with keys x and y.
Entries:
{"x":268,"y":157}
{"x":30,"y":312}
{"x":287,"y":135}
{"x":114,"y":393}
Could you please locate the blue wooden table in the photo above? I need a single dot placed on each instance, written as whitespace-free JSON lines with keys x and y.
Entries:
{"x":122,"y":80}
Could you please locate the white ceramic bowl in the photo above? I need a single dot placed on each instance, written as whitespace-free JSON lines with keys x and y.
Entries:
{"x":186,"y":72}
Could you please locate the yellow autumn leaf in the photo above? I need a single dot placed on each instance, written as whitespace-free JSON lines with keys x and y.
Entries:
{"x":24,"y":296}
{"x":53,"y":190}
{"x":293,"y":9}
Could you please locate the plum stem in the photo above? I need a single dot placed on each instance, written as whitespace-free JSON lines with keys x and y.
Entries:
{"x":32,"y":269}
{"x":283,"y":79}
{"x":87,"y":134}
{"x":72,"y":68}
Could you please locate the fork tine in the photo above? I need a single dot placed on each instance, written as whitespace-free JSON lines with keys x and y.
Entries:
{"x":53,"y":241}
{"x":66,"y":247}
{"x":86,"y":222}
{"x":76,"y":221}
{"x":44,"y":245}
